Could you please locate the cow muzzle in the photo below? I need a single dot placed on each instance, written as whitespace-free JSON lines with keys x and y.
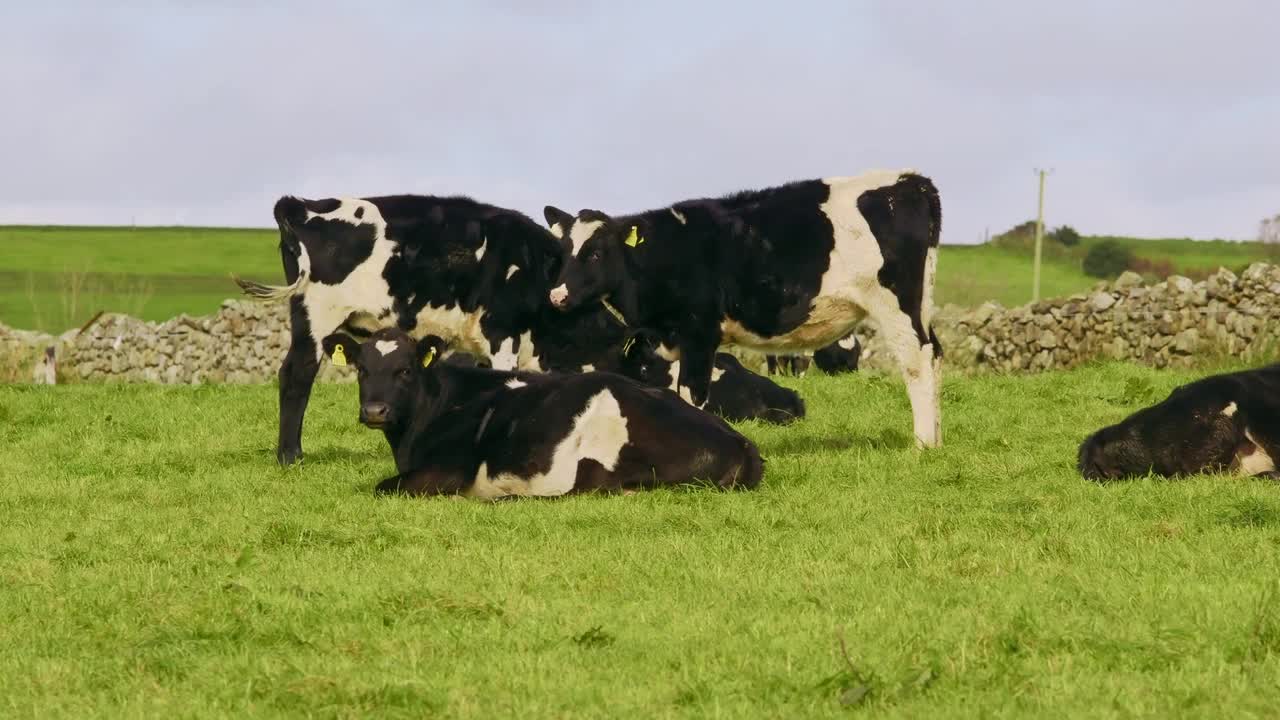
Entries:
{"x":560,"y":295}
{"x":374,"y":414}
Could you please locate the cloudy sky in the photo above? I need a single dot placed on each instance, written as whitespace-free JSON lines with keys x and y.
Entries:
{"x":1157,"y":118}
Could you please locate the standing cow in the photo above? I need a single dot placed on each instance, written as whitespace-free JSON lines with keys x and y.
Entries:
{"x":790,"y":268}
{"x":474,"y":274}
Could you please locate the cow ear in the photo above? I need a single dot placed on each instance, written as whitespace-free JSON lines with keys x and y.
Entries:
{"x":340,"y":348}
{"x":593,"y":215}
{"x":557,"y":218}
{"x":429,"y":350}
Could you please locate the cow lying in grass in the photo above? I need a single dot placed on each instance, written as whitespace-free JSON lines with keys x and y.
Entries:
{"x":591,"y":339}
{"x":839,"y":357}
{"x":492,"y":433}
{"x":736,"y":393}
{"x":1228,"y":422}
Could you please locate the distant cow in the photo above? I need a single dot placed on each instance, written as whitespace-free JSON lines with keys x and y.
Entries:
{"x":489,"y":433}
{"x":736,"y":393}
{"x":1228,"y":422}
{"x":790,"y":268}
{"x":475,"y":274}
{"x":840,"y":356}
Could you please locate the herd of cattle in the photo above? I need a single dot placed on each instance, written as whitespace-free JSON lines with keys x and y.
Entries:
{"x":500,"y":357}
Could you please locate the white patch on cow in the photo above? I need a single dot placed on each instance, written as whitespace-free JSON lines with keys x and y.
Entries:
{"x":514,"y":383}
{"x":484,"y":244}
{"x":557,"y":231}
{"x":1229,"y":410}
{"x":673,"y":377}
{"x":848,"y":343}
{"x":926,"y":292}
{"x":668,"y":353}
{"x":716,"y":373}
{"x":588,"y":368}
{"x":511,"y":270}
{"x":597,"y":433}
{"x":505,"y":358}
{"x":363,"y":293}
{"x":685,"y":394}
{"x":581,"y":232}
{"x":457,"y":327}
{"x":679,"y":218}
{"x":559,"y":293}
{"x":386,"y":347}
{"x":1256,"y":462}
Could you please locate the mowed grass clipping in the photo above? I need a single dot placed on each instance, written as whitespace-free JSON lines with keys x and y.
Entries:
{"x":156,"y":562}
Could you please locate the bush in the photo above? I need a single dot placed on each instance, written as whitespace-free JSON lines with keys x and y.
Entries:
{"x":1107,"y":259}
{"x":1066,"y":235}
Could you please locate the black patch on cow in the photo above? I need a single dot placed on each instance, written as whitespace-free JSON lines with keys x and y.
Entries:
{"x":906,"y":219}
{"x":325,"y":205}
{"x":359,"y":213}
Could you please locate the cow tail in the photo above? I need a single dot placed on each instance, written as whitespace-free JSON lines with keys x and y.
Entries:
{"x":927,"y":244}
{"x":289,"y":211}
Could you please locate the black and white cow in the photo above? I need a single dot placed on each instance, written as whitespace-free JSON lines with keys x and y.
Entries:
{"x":1228,"y":422}
{"x":489,"y":433}
{"x":839,"y":357}
{"x":590,"y":338}
{"x":735,"y":392}
{"x":790,"y":268}
{"x":474,"y":274}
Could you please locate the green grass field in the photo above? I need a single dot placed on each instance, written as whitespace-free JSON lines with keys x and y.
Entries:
{"x":55,"y":278}
{"x":158,"y":563}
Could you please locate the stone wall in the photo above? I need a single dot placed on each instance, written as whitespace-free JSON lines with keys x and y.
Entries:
{"x":1171,"y":323}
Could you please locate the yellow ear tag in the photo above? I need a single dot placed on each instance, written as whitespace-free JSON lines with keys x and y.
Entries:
{"x":634,"y":238}
{"x":430,"y":356}
{"x":339,"y":355}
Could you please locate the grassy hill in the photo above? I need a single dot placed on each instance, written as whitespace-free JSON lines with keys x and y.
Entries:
{"x":54,"y":278}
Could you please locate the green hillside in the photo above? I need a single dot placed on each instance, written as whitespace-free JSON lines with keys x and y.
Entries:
{"x":54,"y":278}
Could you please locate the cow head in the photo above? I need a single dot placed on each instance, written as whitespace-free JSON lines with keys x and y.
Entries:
{"x":1183,"y":434}
{"x":596,"y":255}
{"x":642,"y":358}
{"x":396,"y":373}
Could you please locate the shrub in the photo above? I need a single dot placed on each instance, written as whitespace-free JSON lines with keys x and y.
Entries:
{"x":1158,"y":268}
{"x":1066,"y":236}
{"x":1107,"y":259}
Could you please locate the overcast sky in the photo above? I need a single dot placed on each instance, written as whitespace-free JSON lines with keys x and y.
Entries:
{"x":1158,"y":118}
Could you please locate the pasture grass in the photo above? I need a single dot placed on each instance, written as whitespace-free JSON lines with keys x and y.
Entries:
{"x":157,"y":563}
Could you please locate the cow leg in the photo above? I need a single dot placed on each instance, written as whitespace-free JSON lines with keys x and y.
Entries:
{"x":920,"y":361}
{"x":696,"y":359}
{"x":298,"y":373}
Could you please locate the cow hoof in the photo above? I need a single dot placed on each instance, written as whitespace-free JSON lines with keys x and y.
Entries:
{"x":288,"y":456}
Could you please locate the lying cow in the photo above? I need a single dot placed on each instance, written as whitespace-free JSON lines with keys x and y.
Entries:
{"x":490,"y":433}
{"x":475,"y":274}
{"x":736,"y":393}
{"x":790,"y":268}
{"x":1228,"y":422}
{"x":591,"y":339}
{"x":839,"y":357}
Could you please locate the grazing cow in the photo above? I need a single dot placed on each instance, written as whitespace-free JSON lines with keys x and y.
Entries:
{"x":840,"y":356}
{"x":1223,"y":422}
{"x":591,"y":339}
{"x":735,"y":394}
{"x":490,"y":433}
{"x":475,"y":274}
{"x":790,"y":268}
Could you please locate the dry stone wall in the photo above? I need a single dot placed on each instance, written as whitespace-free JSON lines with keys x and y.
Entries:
{"x":1171,"y":323}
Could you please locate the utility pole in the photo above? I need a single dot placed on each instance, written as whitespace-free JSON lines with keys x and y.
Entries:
{"x":1035,"y":278}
